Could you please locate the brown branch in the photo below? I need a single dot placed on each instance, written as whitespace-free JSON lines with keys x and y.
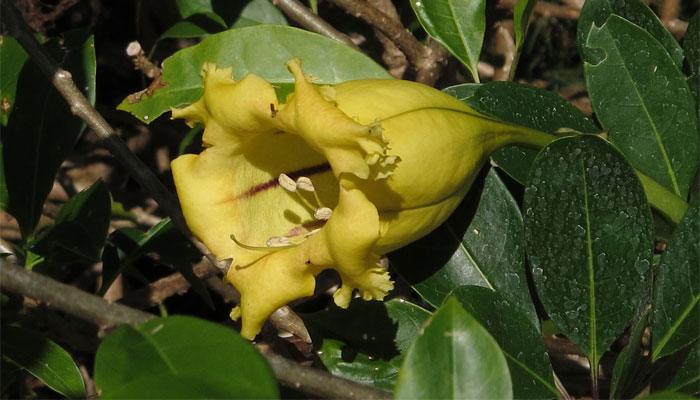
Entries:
{"x":427,"y":60}
{"x":310,"y":21}
{"x":393,"y":57}
{"x":81,"y":108}
{"x":86,"y":306}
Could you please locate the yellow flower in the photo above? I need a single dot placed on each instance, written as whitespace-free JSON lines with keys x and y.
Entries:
{"x":333,"y":178}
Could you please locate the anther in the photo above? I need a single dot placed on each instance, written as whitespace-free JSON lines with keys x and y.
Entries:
{"x":272,"y":244}
{"x":323,"y":213}
{"x":286,"y":182}
{"x":305,"y":183}
{"x":308,"y":235}
{"x":277,"y":241}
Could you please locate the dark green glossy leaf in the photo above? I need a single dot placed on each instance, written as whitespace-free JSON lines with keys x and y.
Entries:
{"x":523,"y":105}
{"x":589,"y":237}
{"x":44,"y":359}
{"x":635,"y":11}
{"x":258,"y":12}
{"x":691,"y":47}
{"x":12,"y":58}
{"x":528,"y":361}
{"x":80,"y":230}
{"x":482,"y":247}
{"x":343,"y":361}
{"x":454,"y":357}
{"x":262,"y":50}
{"x":181,"y":357}
{"x":173,"y":249}
{"x":458,"y":25}
{"x":364,"y":343}
{"x":643,"y":99}
{"x":687,"y":379}
{"x":629,"y":361}
{"x":675,"y":312}
{"x":42,"y":130}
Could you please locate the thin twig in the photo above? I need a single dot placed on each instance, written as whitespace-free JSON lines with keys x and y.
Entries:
{"x":427,"y":60}
{"x":81,"y":108}
{"x":307,"y":19}
{"x":83,"y":305}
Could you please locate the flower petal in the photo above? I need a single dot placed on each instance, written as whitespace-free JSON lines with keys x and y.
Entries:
{"x":349,"y":146}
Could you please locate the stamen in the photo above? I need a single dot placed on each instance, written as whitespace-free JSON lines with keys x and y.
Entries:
{"x":269,"y":248}
{"x":305,"y":183}
{"x":277,"y":241}
{"x":323,"y":213}
{"x":308,"y":235}
{"x":286,"y":182}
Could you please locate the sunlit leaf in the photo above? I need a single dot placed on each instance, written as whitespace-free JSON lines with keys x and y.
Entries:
{"x":181,"y":357}
{"x":454,"y":357}
{"x":528,"y":361}
{"x":458,"y":25}
{"x":262,"y":50}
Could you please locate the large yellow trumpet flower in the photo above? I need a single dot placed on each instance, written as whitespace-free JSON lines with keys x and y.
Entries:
{"x":333,"y":178}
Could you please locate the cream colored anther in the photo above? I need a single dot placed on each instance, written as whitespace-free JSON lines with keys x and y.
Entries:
{"x":323,"y":213}
{"x":312,"y":233}
{"x":286,"y":182}
{"x":277,"y":241}
{"x":304,"y":183}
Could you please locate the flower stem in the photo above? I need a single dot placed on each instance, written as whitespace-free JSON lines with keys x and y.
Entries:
{"x":663,"y":200}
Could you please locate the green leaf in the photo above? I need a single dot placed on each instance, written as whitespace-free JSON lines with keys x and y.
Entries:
{"x":80,"y":230}
{"x":691,"y":47}
{"x":687,"y":379}
{"x":524,"y":105}
{"x":636,"y":12}
{"x":345,"y":362}
{"x":365,"y":342}
{"x":454,"y":357}
{"x":642,"y":98}
{"x":42,"y":130}
{"x":458,"y":25}
{"x":528,"y":361}
{"x":629,"y":361}
{"x":44,"y":359}
{"x":262,"y":50}
{"x":258,"y":12}
{"x":482,"y":247}
{"x":589,"y":237}
{"x":521,"y":21}
{"x":12,"y":59}
{"x":675,"y":311}
{"x":181,"y":357}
